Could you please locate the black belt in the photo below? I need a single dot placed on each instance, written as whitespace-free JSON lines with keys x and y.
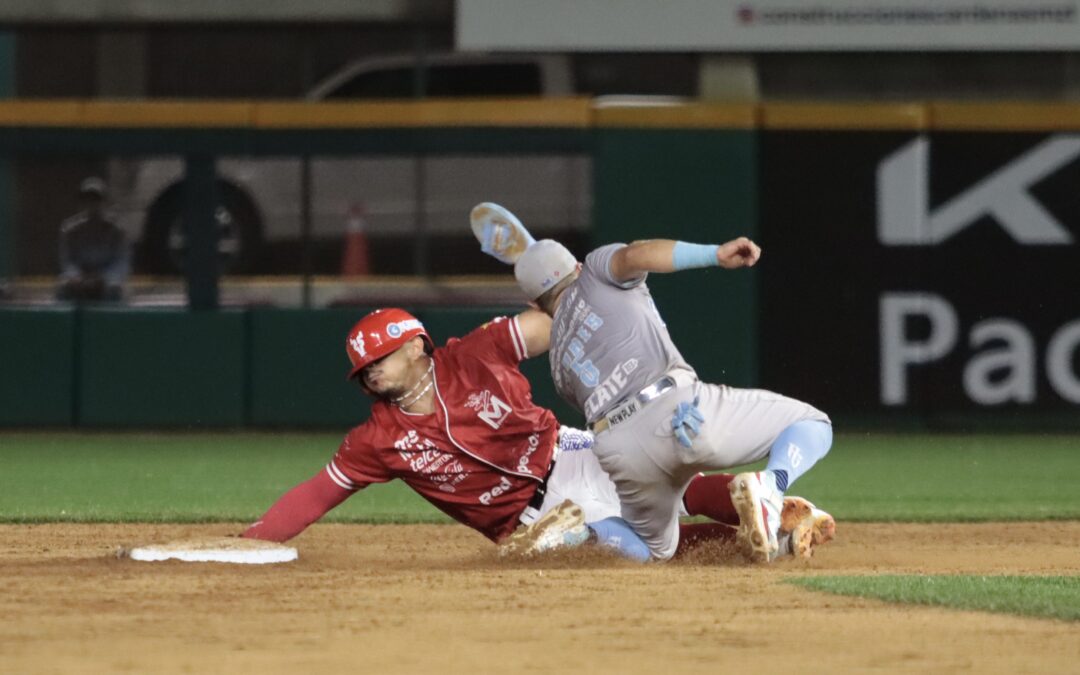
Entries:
{"x":541,"y":490}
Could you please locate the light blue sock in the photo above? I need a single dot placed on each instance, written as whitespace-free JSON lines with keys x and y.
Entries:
{"x":616,"y":533}
{"x":797,"y":448}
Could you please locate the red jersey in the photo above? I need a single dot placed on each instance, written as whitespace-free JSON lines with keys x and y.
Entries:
{"x":481,"y":455}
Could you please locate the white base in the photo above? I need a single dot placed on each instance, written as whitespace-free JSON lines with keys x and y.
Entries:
{"x":241,"y":551}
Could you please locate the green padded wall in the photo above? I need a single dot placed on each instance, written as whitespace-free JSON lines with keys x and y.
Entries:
{"x":298,"y":368}
{"x":698,"y":186}
{"x":170,"y":368}
{"x":37,"y":357}
{"x":298,"y":364}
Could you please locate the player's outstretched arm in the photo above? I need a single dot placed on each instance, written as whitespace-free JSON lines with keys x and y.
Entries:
{"x":535,"y":330}
{"x":299,"y":507}
{"x":668,"y":255}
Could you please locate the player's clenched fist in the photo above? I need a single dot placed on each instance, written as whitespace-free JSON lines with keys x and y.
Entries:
{"x":739,"y":252}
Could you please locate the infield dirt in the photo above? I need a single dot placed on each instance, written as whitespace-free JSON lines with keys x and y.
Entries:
{"x":437,"y":599}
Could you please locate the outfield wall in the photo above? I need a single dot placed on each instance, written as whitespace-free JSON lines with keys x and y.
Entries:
{"x":114,"y":368}
{"x":122,"y":368}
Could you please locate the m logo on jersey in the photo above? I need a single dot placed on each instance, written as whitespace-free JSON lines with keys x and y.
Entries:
{"x":489,"y":408}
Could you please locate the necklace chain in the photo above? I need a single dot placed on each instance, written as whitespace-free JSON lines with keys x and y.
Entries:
{"x":418,"y":396}
{"x":399,"y":399}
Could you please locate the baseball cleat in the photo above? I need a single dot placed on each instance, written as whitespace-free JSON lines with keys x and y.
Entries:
{"x":500,"y":233}
{"x":807,"y":525}
{"x":824,"y":527}
{"x":561,"y":527}
{"x":759,"y":508}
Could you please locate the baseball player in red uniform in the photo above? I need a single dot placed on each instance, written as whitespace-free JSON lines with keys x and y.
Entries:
{"x":457,"y":423}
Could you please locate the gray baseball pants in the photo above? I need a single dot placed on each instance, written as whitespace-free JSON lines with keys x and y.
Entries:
{"x":651,"y":469}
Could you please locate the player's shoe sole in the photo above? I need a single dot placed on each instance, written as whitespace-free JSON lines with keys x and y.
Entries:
{"x":500,"y":233}
{"x":752,"y":534}
{"x":561,"y":527}
{"x":808,"y":525}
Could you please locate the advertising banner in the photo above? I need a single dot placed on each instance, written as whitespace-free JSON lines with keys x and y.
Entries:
{"x":923,"y":273}
{"x":767,"y":25}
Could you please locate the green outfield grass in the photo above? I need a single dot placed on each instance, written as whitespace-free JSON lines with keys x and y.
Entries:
{"x":192,"y":477}
{"x":1048,"y":597}
{"x":177,"y":477}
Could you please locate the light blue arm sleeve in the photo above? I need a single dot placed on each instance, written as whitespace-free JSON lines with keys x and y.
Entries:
{"x":687,"y":256}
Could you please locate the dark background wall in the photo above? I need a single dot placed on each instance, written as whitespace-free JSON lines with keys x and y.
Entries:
{"x":260,"y":61}
{"x":984,"y":318}
{"x":694,"y":185}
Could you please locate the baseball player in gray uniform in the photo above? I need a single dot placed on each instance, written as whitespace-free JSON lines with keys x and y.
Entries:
{"x":656,"y":424}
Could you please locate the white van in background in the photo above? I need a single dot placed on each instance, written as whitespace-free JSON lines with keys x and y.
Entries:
{"x":260,"y":201}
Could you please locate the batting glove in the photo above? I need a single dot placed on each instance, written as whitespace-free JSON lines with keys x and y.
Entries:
{"x":686,"y":423}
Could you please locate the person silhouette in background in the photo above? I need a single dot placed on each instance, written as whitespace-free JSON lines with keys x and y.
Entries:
{"x":95,"y":258}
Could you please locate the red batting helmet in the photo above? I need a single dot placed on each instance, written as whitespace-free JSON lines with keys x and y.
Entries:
{"x":380,"y":333}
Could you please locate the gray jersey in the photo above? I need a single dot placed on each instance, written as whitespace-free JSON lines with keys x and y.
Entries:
{"x":608,"y":341}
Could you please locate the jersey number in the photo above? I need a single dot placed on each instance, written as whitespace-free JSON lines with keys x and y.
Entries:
{"x":585,"y":370}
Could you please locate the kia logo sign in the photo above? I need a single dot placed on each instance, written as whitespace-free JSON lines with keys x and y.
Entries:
{"x":905,"y":219}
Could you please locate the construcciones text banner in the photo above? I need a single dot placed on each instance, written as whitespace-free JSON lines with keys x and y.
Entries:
{"x":768,"y":25}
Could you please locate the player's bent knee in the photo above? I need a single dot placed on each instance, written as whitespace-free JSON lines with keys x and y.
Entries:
{"x":817,"y":434}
